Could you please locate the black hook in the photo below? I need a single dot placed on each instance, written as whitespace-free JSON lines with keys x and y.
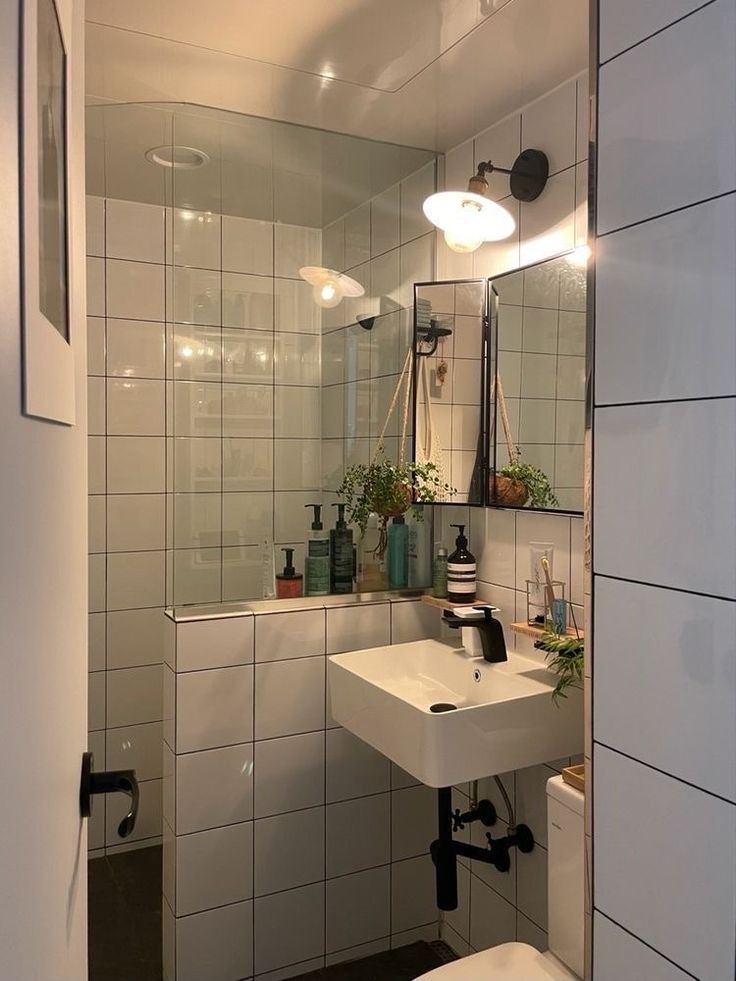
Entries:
{"x":109,"y":782}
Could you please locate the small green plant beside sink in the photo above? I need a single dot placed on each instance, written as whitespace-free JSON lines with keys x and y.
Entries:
{"x":566,"y":657}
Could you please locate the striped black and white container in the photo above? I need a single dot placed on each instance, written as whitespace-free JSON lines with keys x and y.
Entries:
{"x":461,"y":571}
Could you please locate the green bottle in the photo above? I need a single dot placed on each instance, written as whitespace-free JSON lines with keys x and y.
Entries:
{"x":317,"y":562}
{"x":342,"y":557}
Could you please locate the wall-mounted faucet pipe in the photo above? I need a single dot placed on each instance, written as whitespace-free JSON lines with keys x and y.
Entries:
{"x":445,"y":850}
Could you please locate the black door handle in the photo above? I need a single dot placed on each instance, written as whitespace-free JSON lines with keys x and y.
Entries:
{"x":109,"y":782}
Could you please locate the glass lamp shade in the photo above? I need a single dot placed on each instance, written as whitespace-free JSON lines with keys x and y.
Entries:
{"x":329,"y":285}
{"x":468,"y":219}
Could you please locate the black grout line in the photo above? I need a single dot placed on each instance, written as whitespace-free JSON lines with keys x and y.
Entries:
{"x":666,"y":214}
{"x":655,"y":585}
{"x":661,"y":30}
{"x":664,"y":773}
{"x":672,"y":401}
{"x":654,"y":949}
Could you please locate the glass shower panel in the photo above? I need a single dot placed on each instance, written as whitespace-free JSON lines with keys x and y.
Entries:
{"x":271,"y":391}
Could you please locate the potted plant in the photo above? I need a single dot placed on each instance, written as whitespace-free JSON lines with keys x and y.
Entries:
{"x":566,"y":657}
{"x":388,"y":490}
{"x":518,"y":484}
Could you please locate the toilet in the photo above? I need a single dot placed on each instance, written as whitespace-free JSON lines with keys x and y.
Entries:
{"x":564,"y":961}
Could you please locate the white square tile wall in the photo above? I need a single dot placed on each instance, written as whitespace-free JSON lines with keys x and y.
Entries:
{"x":179,"y":302}
{"x":339,"y":836}
{"x":663,"y":538}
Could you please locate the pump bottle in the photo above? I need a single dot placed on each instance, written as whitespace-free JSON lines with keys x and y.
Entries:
{"x":317,"y":562}
{"x":461,"y":584}
{"x":342,"y":557}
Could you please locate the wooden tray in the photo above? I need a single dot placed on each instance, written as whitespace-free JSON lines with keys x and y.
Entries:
{"x":575,"y":776}
{"x":530,"y":630}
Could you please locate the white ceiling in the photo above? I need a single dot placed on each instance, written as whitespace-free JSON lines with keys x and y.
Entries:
{"x":375,"y":43}
{"x":426,"y":73}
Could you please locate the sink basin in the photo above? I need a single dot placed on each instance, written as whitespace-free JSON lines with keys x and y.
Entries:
{"x":503,"y":716}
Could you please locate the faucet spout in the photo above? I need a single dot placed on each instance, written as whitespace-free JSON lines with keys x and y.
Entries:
{"x":492,"y":640}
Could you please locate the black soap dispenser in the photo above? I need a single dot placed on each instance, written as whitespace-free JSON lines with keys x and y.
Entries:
{"x":342,"y":561}
{"x":461,"y":570}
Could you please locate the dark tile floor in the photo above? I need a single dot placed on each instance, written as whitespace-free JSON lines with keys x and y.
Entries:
{"x":125,"y":916}
{"x":125,"y":930}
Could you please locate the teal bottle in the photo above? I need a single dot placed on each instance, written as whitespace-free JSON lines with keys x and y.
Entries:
{"x":398,"y":554}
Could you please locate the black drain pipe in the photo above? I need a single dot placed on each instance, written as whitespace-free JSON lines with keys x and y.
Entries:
{"x":443,"y":853}
{"x":445,"y":849}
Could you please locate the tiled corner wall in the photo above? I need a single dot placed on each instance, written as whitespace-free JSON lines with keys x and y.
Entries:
{"x":289,"y":843}
{"x":204,"y":361}
{"x":495,"y":907}
{"x":387,"y":245}
{"x":664,"y":515}
{"x":557,"y":221}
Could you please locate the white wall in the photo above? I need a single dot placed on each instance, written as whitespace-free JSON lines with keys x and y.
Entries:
{"x":289,"y":843}
{"x":43,"y":910}
{"x":664,"y":516}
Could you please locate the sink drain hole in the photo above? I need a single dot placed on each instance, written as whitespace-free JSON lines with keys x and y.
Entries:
{"x":442,"y":707}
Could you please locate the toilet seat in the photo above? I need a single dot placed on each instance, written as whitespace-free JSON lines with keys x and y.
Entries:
{"x":507,"y":962}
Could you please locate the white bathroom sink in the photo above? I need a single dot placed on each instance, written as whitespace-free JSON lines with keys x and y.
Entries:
{"x":504,"y":718}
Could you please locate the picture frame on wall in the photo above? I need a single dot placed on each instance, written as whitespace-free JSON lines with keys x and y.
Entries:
{"x":48,"y":331}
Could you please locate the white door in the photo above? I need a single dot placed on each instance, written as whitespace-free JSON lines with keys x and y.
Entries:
{"x":43,"y":589}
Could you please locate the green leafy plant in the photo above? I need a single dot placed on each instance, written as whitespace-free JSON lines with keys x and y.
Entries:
{"x":536,"y":482}
{"x":566,"y":657}
{"x":388,"y":490}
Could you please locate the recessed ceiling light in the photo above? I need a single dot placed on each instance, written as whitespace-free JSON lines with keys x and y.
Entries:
{"x":177,"y":157}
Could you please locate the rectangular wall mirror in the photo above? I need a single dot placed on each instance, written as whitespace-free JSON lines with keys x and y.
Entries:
{"x":499,"y":385}
{"x":538,"y":328}
{"x":451,"y":404}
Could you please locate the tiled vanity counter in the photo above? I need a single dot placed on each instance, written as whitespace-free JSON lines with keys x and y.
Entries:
{"x":288,"y":843}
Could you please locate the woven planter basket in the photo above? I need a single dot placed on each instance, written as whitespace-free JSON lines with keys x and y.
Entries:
{"x":507,"y":492}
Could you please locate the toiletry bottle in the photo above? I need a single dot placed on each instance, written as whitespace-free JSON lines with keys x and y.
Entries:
{"x":461,"y":571}
{"x":439,"y":573}
{"x":342,"y":559}
{"x":268,"y":569}
{"x":419,"y":524}
{"x":398,"y":554}
{"x":317,"y":563}
{"x":289,"y":583}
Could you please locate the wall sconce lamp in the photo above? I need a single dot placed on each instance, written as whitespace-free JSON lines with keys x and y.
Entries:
{"x":469,"y":218}
{"x":329,"y":286}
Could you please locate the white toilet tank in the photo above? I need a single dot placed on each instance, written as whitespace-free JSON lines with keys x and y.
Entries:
{"x":566,"y":873}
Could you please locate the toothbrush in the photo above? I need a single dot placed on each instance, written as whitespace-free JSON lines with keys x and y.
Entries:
{"x":549,"y":589}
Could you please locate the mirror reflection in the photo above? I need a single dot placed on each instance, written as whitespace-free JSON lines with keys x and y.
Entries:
{"x":538,"y":320}
{"x":451,"y":407}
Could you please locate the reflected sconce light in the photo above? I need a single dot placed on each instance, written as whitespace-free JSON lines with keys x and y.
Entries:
{"x":469,"y":218}
{"x":329,"y":287}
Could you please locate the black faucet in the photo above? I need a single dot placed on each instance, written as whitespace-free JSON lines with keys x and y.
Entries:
{"x":492,"y":641}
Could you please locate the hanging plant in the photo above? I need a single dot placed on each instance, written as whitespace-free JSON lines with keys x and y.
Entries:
{"x":525,"y":484}
{"x":388,"y":490}
{"x":518,"y":484}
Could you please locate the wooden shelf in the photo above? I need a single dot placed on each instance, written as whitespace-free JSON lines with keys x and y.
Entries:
{"x":529,"y":630}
